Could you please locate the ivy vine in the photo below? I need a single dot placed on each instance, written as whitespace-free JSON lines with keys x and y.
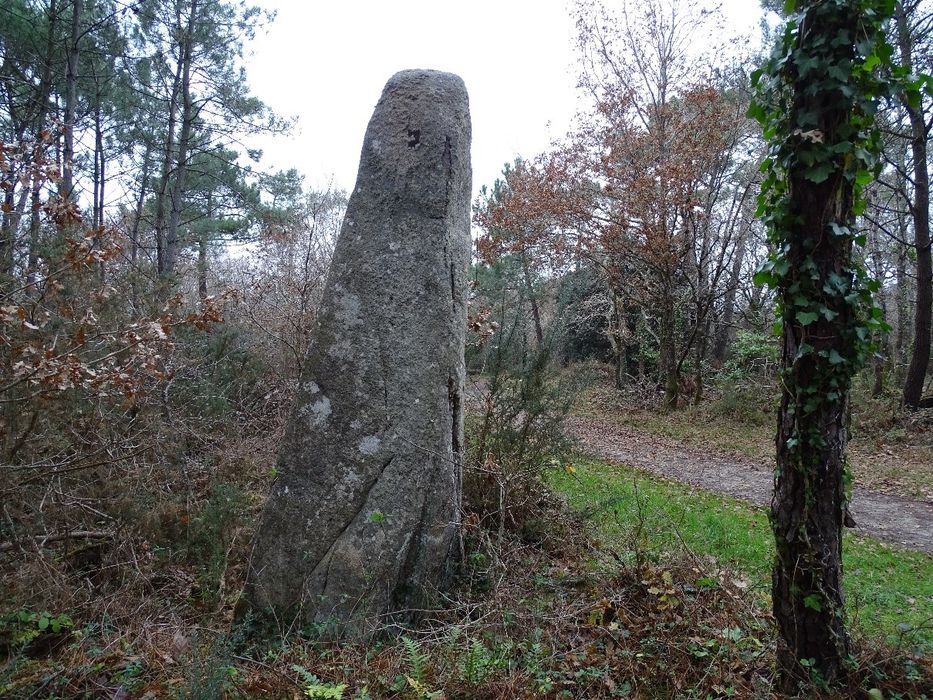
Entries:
{"x":850,"y":74}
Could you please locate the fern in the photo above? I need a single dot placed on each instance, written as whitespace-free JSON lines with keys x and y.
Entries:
{"x":314,"y":688}
{"x":478,"y":664}
{"x":416,"y":659}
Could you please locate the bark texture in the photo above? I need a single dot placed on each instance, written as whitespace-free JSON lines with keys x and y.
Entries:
{"x":363,"y":518}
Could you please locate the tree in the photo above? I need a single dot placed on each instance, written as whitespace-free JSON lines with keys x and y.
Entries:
{"x":283,"y":282}
{"x":197,"y":70}
{"x":495,"y":213}
{"x":648,"y":190}
{"x":908,"y":22}
{"x":817,"y":99}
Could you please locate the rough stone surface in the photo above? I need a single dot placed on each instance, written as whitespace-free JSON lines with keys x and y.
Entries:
{"x":363,"y":517}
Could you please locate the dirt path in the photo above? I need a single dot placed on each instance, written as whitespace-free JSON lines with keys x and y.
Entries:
{"x":892,"y":519}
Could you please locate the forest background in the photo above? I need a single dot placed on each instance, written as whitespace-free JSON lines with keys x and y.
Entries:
{"x":146,"y":372}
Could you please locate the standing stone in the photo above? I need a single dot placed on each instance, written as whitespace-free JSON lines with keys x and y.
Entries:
{"x":363,"y":518}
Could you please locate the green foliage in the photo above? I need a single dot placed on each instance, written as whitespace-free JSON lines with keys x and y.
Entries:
{"x":415,"y":679}
{"x":535,"y":660}
{"x":211,"y":676}
{"x":586,"y":329}
{"x":480,"y":662}
{"x":746,"y":382}
{"x":23,"y":626}
{"x":754,"y":352}
{"x":516,"y":437}
{"x":131,"y":676}
{"x":313,"y":687}
{"x":415,"y":659}
{"x":227,"y":371}
{"x":211,"y":531}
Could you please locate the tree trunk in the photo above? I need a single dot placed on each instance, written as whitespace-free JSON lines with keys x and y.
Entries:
{"x":883,"y":348}
{"x":35,"y":227}
{"x":726,"y":333}
{"x":617,"y":340}
{"x":668,"y":353}
{"x":184,"y":139}
{"x":533,"y":301}
{"x":202,"y":268}
{"x":66,"y":189}
{"x":699,"y":356}
{"x":43,"y":97}
{"x":202,"y":253}
{"x":920,"y":211}
{"x":819,"y":356}
{"x":903,"y":306}
{"x":134,"y":230}
{"x":101,"y":180}
{"x":102,"y":167}
{"x":166,"y":171}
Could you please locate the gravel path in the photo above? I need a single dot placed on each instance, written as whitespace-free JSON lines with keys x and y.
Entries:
{"x":893,"y":519}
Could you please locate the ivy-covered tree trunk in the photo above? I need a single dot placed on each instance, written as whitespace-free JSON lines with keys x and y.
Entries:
{"x":817,"y":102}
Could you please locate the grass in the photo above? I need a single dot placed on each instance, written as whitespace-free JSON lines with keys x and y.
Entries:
{"x":889,"y":590}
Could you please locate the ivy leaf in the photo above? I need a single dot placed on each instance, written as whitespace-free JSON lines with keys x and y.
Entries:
{"x":765,"y":277}
{"x":835,"y":358}
{"x":756,"y":112}
{"x":819,"y":173}
{"x":812,"y":601}
{"x":805,"y":318}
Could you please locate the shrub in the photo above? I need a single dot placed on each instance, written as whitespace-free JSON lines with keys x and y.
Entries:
{"x":514,"y":436}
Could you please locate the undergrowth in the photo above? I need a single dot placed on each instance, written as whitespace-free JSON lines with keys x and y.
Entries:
{"x":639,"y":612}
{"x":641,"y":518}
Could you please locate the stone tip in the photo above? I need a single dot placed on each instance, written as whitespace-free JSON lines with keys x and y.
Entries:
{"x":421,"y":76}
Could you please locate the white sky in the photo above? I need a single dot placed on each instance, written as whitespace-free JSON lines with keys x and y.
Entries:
{"x":326,"y":61}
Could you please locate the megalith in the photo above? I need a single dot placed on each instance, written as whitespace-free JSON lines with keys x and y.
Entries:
{"x":362,"y":521}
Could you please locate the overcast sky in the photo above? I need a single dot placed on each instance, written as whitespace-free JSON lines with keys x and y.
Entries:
{"x":326,"y":63}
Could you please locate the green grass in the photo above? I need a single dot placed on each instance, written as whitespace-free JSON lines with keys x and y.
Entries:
{"x":889,"y":591}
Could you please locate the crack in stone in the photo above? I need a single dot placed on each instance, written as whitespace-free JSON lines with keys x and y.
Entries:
{"x":329,"y":555}
{"x":404,"y":573}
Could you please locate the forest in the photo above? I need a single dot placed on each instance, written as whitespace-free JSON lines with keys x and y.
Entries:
{"x":697,"y":459}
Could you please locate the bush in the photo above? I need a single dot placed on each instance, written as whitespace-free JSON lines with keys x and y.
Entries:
{"x":514,"y":436}
{"x":754,"y":353}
